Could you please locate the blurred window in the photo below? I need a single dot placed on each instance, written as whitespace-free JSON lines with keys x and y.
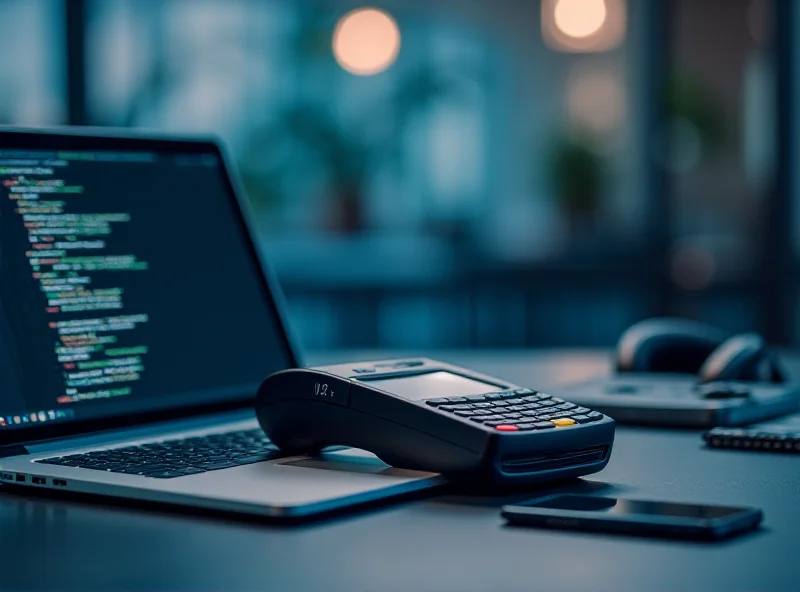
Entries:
{"x":437,"y":173}
{"x":412,"y":165}
{"x":471,"y":112}
{"x":460,"y":172}
{"x":32,"y":69}
{"x":718,"y":150}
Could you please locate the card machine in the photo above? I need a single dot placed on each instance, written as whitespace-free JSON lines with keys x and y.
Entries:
{"x":428,"y":415}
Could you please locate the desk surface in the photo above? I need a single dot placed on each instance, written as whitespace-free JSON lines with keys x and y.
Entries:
{"x":438,"y":543}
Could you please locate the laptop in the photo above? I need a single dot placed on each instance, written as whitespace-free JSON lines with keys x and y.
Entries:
{"x":136,"y":322}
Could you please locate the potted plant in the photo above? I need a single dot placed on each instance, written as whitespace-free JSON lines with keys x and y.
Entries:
{"x":576,"y":175}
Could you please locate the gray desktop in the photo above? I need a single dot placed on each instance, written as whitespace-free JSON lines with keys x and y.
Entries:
{"x":452,"y":541}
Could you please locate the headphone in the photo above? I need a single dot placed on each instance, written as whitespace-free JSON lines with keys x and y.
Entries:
{"x":670,"y":345}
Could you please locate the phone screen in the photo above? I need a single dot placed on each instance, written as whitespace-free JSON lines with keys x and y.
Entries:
{"x":627,"y":507}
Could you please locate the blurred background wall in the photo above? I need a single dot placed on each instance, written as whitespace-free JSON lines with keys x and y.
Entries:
{"x":464,"y":173}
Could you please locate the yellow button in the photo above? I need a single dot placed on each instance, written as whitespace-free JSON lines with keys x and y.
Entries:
{"x":560,"y":423}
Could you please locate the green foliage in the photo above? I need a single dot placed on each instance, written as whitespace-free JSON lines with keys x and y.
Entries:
{"x":346,"y":153}
{"x":576,"y":170}
{"x":309,"y":136}
{"x":689,"y":99}
{"x":576,"y":173}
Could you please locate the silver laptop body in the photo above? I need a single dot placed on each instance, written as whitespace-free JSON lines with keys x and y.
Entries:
{"x":76,"y":387}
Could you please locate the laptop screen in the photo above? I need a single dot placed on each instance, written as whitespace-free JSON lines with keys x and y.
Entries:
{"x":129,"y":285}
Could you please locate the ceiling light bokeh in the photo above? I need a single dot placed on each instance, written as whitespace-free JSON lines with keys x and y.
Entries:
{"x":693,"y":268}
{"x":579,"y":18}
{"x":595,"y":99}
{"x":366,"y":41}
{"x":583,"y":26}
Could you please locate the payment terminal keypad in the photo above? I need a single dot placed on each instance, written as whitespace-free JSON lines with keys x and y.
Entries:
{"x":517,"y":410}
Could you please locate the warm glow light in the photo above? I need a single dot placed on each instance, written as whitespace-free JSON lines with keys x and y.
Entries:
{"x":580,"y":18}
{"x":366,"y":41}
{"x":595,"y":100}
{"x":583,"y":26}
{"x":693,"y":268}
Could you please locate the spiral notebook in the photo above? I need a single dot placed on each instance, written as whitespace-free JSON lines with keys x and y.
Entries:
{"x":780,"y":436}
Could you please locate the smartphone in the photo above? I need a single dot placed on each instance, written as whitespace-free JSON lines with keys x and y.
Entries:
{"x":632,"y":516}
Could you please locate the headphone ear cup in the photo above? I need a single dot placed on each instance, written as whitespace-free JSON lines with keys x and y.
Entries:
{"x":777,"y":371}
{"x":667,"y":345}
{"x":742,"y":357}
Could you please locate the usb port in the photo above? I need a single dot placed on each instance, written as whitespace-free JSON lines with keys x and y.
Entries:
{"x":21,"y":477}
{"x":59,"y":482}
{"x":39,"y":480}
{"x":7,"y":476}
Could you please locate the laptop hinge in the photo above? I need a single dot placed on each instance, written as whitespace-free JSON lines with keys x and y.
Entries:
{"x":14,"y":450}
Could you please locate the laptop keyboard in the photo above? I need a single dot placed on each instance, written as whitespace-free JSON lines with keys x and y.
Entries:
{"x":177,"y":458}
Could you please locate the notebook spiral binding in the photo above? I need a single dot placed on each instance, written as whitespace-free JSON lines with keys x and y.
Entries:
{"x":758,"y":440}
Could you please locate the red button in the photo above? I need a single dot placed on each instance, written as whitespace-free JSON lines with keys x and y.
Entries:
{"x":507,"y":428}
